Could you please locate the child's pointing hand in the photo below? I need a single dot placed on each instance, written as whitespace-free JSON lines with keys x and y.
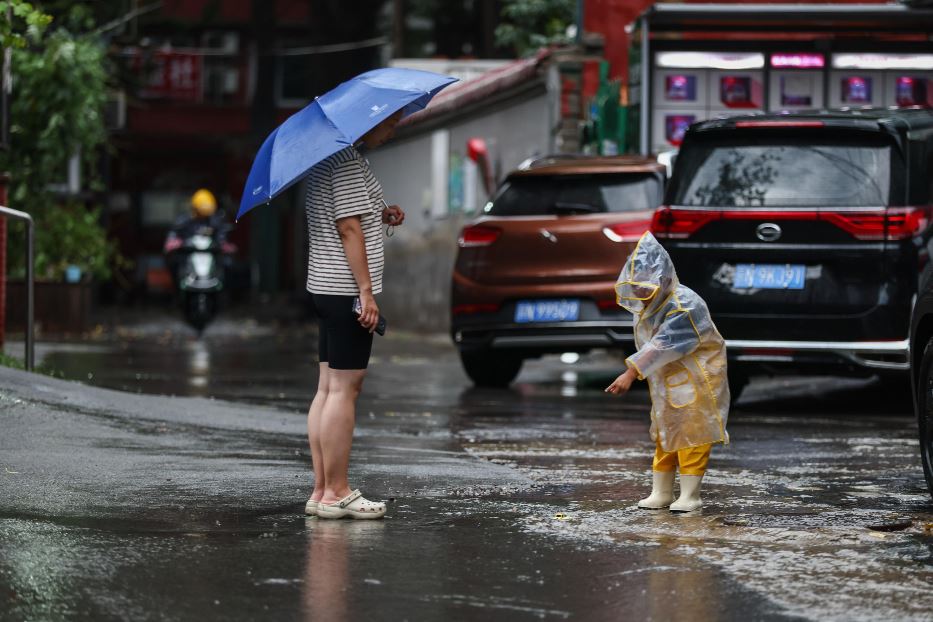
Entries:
{"x":621,"y":385}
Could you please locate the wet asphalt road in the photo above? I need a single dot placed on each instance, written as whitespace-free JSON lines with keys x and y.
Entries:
{"x":513,"y":504}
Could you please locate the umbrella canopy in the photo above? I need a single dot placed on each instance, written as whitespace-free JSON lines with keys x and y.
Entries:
{"x":333,"y":122}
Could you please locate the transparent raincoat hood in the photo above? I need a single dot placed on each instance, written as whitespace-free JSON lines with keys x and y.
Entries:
{"x":680,"y":352}
{"x":647,"y":278}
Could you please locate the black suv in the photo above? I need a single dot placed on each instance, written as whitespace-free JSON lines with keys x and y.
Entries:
{"x":806,"y":234}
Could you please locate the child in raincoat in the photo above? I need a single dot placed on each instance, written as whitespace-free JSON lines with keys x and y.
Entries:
{"x":683,"y":357}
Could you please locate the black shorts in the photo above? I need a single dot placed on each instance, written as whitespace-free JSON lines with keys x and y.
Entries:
{"x":342,"y":342}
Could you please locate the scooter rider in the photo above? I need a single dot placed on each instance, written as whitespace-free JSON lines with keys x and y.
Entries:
{"x":205,"y":219}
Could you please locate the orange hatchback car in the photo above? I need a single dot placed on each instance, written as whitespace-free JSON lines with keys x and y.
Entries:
{"x":535,"y":274}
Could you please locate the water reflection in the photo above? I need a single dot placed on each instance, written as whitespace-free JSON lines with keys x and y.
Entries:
{"x":199,"y":366}
{"x":337,"y":553}
{"x":680,"y":591}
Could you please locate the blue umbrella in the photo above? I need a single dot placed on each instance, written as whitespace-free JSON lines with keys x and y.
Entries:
{"x":333,"y":122}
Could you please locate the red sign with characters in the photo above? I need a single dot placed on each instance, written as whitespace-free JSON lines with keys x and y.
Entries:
{"x":171,"y":75}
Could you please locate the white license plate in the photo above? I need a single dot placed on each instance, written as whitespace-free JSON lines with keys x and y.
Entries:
{"x":547,"y":311}
{"x":769,"y":276}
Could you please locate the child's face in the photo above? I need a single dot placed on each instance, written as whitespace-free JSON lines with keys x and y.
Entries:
{"x":643,"y":293}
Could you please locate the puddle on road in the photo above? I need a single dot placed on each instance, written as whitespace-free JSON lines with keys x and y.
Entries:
{"x":791,"y":518}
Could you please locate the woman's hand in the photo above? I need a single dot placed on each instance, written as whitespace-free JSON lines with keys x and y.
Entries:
{"x":369,"y":317}
{"x":393,"y":216}
{"x":621,"y":385}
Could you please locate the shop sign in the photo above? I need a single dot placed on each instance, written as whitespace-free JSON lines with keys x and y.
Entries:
{"x":171,"y":75}
{"x":883,"y":61}
{"x":710,"y":60}
{"x":797,"y":61}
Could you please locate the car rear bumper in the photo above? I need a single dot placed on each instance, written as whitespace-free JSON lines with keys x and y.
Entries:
{"x":869,"y":355}
{"x":544,"y":338}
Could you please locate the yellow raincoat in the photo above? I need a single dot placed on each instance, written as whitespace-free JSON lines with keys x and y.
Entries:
{"x":680,"y":352}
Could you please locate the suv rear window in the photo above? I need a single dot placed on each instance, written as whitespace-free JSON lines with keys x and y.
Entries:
{"x":764,"y":171}
{"x":536,"y":195}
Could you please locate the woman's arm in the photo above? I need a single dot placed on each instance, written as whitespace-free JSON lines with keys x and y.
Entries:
{"x":354,"y":247}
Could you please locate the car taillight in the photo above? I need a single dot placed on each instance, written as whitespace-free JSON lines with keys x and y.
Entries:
{"x":680,"y":223}
{"x":471,"y":309}
{"x":478,"y":235}
{"x":865,"y":226}
{"x":906,"y":222}
{"x":629,"y":231}
{"x":898,"y":223}
{"x":868,"y":225}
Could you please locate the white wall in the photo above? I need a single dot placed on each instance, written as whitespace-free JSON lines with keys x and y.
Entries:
{"x":420,"y":255}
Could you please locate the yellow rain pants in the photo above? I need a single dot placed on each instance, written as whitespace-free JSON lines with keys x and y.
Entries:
{"x":692,"y":461}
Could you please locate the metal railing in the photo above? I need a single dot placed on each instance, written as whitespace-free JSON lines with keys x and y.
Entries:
{"x":30,"y":302}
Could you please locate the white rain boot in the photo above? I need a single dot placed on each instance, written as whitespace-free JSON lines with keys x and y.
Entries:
{"x":662,"y":491}
{"x":689,"y":494}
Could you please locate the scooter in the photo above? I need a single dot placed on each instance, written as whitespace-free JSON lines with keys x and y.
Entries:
{"x":197,"y":258}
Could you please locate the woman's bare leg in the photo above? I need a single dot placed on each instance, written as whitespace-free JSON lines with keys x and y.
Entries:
{"x":314,"y":431}
{"x":337,"y":422}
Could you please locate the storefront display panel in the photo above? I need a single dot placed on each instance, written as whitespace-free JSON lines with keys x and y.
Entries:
{"x":669,"y":127}
{"x":740,"y":90}
{"x":682,"y":88}
{"x":856,"y":89}
{"x":908,"y":89}
{"x":796,"y":90}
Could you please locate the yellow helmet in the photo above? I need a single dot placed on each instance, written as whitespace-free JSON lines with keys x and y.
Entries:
{"x":203,"y":203}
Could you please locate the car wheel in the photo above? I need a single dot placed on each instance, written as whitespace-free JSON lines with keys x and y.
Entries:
{"x":925,"y":413}
{"x":738,"y":380}
{"x":489,"y":369}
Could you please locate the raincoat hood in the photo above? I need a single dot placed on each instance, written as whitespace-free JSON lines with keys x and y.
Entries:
{"x":648,"y":277}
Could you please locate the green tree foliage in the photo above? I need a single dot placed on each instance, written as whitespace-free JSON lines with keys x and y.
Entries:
{"x":20,"y":22}
{"x":59,"y":92}
{"x":530,"y":24}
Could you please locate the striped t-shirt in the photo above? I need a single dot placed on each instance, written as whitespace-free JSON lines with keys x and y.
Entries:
{"x":340,"y":186}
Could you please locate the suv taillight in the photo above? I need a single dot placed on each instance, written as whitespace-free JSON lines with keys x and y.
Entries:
{"x":680,"y":223}
{"x":906,"y":222}
{"x":630,"y":231}
{"x":897,"y":223}
{"x":478,"y":235}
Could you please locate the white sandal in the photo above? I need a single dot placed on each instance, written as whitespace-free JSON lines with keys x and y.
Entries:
{"x":311,"y":507}
{"x":354,"y":505}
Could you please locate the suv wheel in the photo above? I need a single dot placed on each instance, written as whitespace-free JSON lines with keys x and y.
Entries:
{"x":925,"y":413}
{"x":491,"y":369}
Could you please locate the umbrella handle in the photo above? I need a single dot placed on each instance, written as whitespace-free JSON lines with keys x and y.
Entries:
{"x":390,"y":230}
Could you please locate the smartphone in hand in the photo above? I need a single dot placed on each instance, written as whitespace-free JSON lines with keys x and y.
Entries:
{"x":358,"y":310}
